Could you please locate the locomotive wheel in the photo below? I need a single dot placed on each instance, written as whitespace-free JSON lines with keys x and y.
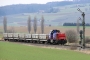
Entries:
{"x":31,"y":41}
{"x":38,"y":42}
{"x":15,"y":40}
{"x":35,"y":41}
{"x":5,"y":39}
{"x":54,"y":42}
{"x":64,"y":42}
{"x":28,"y":40}
{"x":43,"y":42}
{"x":48,"y":41}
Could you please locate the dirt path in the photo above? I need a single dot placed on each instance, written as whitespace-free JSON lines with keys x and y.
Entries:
{"x":86,"y":51}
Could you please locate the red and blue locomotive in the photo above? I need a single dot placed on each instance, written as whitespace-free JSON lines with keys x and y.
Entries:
{"x":56,"y":37}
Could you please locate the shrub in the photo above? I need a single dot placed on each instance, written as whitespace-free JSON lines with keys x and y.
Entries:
{"x":71,"y":36}
{"x":87,"y":40}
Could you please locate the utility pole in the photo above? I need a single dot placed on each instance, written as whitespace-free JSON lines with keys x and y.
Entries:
{"x":83,"y":23}
{"x":83,"y":15}
{"x":5,"y":24}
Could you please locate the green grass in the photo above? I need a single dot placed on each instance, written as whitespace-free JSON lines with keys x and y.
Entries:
{"x":12,"y":51}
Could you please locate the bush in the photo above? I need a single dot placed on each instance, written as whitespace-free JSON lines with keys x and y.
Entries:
{"x":71,"y":36}
{"x":87,"y":40}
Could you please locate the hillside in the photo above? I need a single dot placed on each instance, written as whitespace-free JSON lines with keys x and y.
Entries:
{"x":56,"y":15}
{"x":31,"y":8}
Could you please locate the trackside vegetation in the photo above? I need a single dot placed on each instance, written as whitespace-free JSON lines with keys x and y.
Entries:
{"x":14,"y":51}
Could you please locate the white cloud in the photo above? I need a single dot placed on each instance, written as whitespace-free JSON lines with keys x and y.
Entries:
{"x":9,"y":2}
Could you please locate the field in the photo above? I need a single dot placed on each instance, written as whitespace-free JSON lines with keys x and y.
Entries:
{"x":23,"y":29}
{"x":13,"y":51}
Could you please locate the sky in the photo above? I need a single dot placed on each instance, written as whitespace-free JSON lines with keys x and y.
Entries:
{"x":10,"y":2}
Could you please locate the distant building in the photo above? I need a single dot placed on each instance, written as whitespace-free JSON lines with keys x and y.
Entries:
{"x":41,"y":11}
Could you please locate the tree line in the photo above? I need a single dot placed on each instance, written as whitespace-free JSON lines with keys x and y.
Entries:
{"x":29,"y":25}
{"x":75,"y":24}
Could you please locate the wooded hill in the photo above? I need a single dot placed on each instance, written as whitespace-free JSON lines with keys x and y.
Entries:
{"x":39,"y":8}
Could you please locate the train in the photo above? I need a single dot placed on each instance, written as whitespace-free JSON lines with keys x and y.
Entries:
{"x":54,"y":37}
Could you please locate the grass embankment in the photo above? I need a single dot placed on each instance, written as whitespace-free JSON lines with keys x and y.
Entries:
{"x":12,"y":51}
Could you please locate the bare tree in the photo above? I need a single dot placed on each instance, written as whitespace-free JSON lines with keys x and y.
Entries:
{"x":42,"y":25}
{"x":5,"y":24}
{"x":29,"y":24}
{"x":78,"y":26}
{"x":35,"y":24}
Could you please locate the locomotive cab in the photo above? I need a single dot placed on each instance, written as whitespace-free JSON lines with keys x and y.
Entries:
{"x":52,"y":33}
